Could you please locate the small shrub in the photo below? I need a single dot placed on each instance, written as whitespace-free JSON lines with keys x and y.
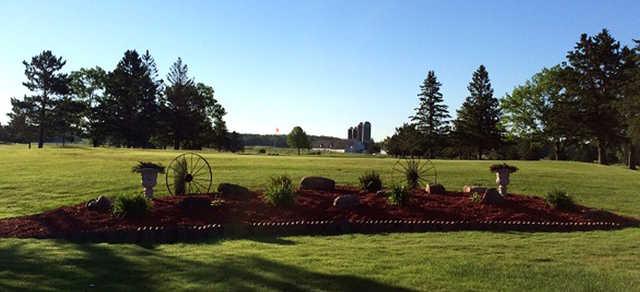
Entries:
{"x":262,"y":151}
{"x":497,"y":167}
{"x":476,"y":198}
{"x":559,"y":199}
{"x":142,"y":164}
{"x":280,"y":191}
{"x":131,"y":206}
{"x":179,"y":175}
{"x":370,"y":181}
{"x":398,"y":195}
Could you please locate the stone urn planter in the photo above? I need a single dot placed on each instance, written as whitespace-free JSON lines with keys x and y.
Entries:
{"x":503,"y":171}
{"x":149,"y":173}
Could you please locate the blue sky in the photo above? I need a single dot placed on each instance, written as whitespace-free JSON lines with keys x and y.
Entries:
{"x":323,"y":65}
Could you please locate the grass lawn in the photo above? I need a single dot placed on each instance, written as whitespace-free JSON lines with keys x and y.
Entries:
{"x":35,"y":180}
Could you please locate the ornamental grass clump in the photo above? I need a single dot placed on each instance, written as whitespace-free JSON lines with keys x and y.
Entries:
{"x":559,"y":199}
{"x":131,"y":206}
{"x":398,"y":195}
{"x":503,"y":166}
{"x":370,"y":181}
{"x":142,"y":165}
{"x":280,"y":191}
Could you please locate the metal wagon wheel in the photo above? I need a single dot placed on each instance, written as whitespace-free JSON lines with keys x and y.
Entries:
{"x":423,"y":170}
{"x":188,"y":173}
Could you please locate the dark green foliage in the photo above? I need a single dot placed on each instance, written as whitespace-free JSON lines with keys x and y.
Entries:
{"x":477,"y":124}
{"x":406,"y":141}
{"x":131,"y":106}
{"x":431,"y":115}
{"x":497,"y":167}
{"x":48,"y":86}
{"x":592,"y":78}
{"x":142,"y":164}
{"x":370,"y":181}
{"x":280,"y":191}
{"x":131,"y":206}
{"x":560,"y":200}
{"x":398,"y":195}
{"x":87,"y":86}
{"x":298,"y":139}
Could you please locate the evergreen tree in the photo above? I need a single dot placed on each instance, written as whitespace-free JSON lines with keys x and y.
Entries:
{"x":298,"y":139}
{"x":67,"y":118}
{"x":478,"y":121}
{"x":132,"y":106}
{"x":48,"y":84}
{"x":431,"y":115}
{"x":592,"y":78}
{"x":630,"y":103}
{"x":406,"y":141}
{"x":21,"y":128}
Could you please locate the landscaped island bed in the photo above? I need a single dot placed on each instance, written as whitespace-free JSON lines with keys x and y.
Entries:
{"x":450,"y":211}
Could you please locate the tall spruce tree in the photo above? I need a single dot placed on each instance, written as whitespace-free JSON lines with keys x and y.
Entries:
{"x":478,"y":121}
{"x":592,"y":78}
{"x":630,"y":103}
{"x":431,"y":115}
{"x":132,"y":106}
{"x":48,"y":85}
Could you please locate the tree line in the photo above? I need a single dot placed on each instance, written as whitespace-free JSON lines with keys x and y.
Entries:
{"x":587,"y":108}
{"x":130,"y":106}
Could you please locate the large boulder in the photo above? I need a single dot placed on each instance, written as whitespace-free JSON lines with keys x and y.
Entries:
{"x":317,"y":183}
{"x":435,"y":189}
{"x":233,"y":191}
{"x":474,"y":189}
{"x":491,"y":196}
{"x":346,"y":201}
{"x":99,"y":204}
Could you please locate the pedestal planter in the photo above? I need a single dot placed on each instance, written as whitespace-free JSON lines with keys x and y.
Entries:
{"x":502,"y":172}
{"x":502,"y":179}
{"x":149,"y":180}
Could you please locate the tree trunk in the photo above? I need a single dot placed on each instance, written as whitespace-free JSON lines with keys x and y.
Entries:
{"x":298,"y":151}
{"x":63,"y":141}
{"x":631,"y":158}
{"x":479,"y":156}
{"x":602,"y":153}
{"x":176,"y":143}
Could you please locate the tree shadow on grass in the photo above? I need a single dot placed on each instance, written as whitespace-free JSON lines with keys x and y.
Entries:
{"x":65,"y":266}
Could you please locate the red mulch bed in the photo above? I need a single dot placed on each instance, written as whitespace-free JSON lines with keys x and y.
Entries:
{"x":309,"y":205}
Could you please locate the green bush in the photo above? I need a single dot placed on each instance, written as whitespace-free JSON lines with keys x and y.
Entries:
{"x":398,"y":195}
{"x":131,"y":206}
{"x":370,"y":181}
{"x":559,"y":199}
{"x":280,"y":191}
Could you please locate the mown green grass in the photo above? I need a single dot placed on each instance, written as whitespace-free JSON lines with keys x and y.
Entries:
{"x":35,"y":180}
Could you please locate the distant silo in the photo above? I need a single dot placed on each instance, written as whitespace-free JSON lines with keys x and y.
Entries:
{"x":360,"y":132}
{"x":366,"y":135}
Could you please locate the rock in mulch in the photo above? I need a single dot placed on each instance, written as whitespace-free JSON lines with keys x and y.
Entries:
{"x":346,"y":201}
{"x":435,"y":189}
{"x":317,"y":183}
{"x":99,"y":204}
{"x":491,"y":196}
{"x":233,"y":191}
{"x":381,"y":193}
{"x":195,"y":203}
{"x":474,"y":189}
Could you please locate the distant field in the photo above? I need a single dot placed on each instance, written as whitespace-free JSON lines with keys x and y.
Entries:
{"x":35,"y":180}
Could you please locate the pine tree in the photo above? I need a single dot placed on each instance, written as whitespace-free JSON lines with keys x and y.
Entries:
{"x":477,"y":124}
{"x":431,"y":115}
{"x":593,"y":80}
{"x":132,"y":107}
{"x":630,"y":102}
{"x":48,"y":85}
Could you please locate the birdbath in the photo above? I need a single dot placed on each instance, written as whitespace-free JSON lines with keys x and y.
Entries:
{"x":503,"y":172}
{"x":149,"y":174}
